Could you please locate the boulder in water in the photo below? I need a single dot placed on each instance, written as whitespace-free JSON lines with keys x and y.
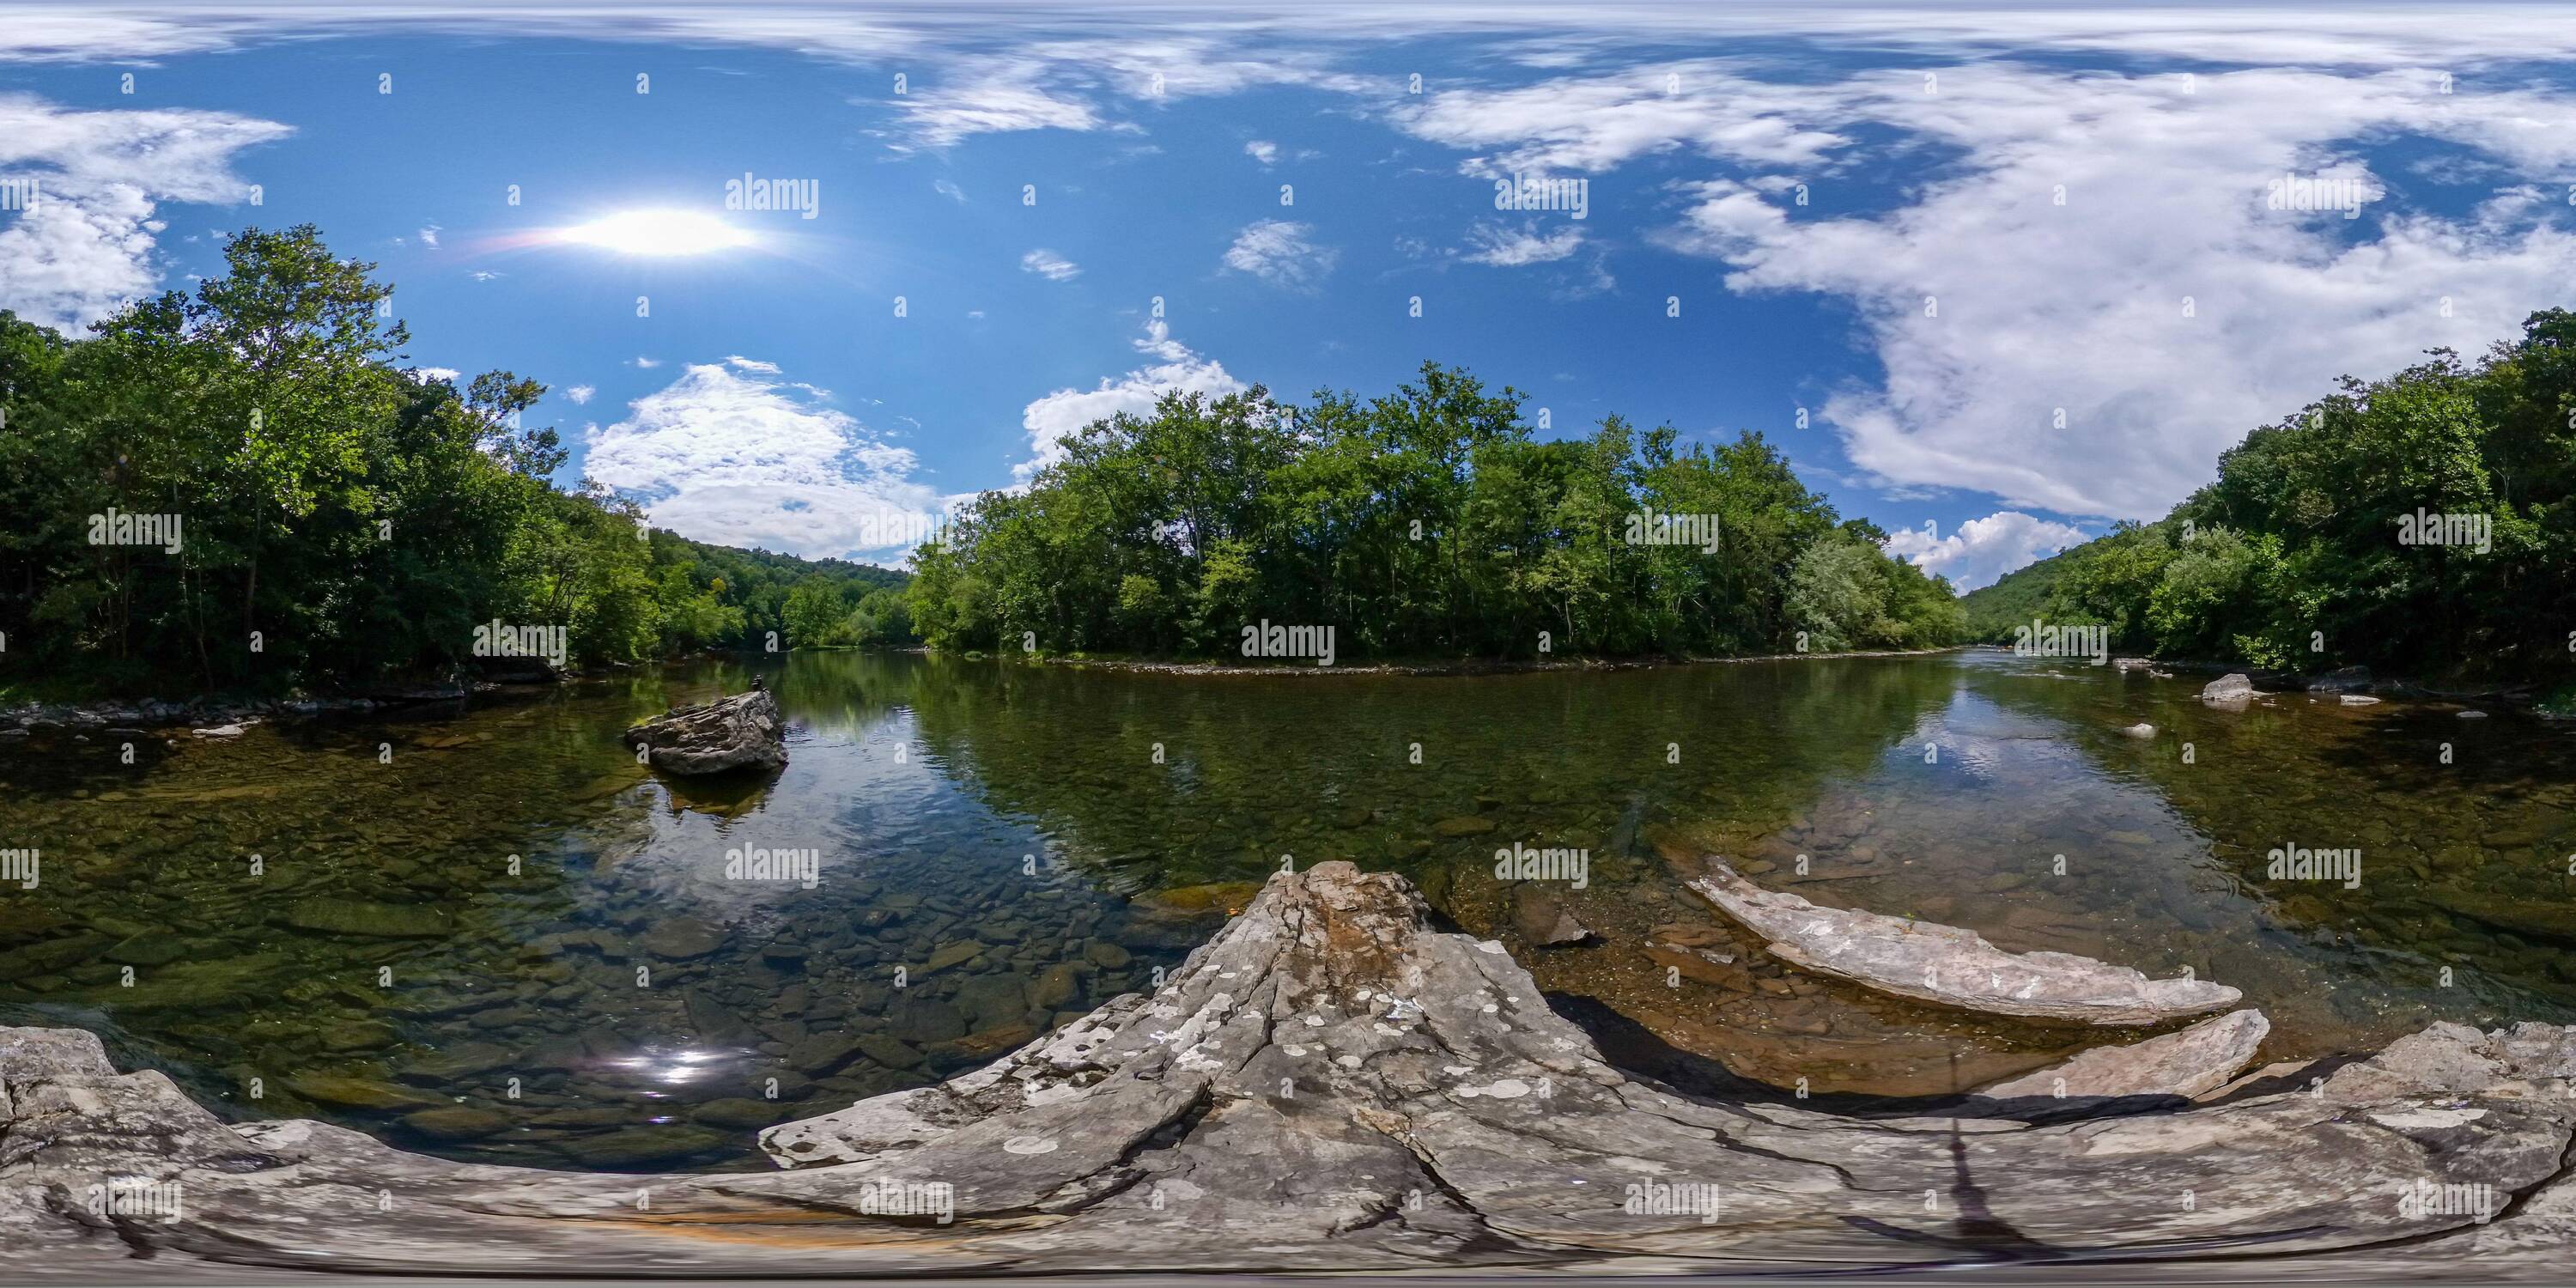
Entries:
{"x":745,"y":730}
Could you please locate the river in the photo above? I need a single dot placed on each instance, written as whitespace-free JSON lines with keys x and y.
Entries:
{"x":484,"y":932}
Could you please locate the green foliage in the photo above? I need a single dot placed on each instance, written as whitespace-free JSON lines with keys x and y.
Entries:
{"x":2296,"y":556}
{"x":1427,"y":522}
{"x":341,"y":519}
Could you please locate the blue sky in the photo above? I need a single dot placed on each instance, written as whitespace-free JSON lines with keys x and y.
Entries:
{"x":2006,"y":213}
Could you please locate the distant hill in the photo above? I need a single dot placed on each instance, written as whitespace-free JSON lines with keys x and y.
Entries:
{"x":2019,"y":596}
{"x":786,"y":568}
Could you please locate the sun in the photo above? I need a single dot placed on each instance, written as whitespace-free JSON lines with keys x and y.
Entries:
{"x":658,"y":232}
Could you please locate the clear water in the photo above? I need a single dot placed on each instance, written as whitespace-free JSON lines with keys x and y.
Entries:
{"x":509,"y":943}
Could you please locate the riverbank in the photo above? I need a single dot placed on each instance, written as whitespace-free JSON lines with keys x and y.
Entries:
{"x":1438,"y":1111}
{"x":1467,"y":666}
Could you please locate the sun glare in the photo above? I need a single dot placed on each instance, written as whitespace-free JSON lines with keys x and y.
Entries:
{"x":659,"y":232}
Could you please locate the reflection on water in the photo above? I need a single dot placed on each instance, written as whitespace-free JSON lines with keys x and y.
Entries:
{"x":489,"y":934}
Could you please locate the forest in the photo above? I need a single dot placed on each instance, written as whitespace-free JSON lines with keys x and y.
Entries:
{"x":2423,"y":523}
{"x":1427,"y":523}
{"x":245,"y":489}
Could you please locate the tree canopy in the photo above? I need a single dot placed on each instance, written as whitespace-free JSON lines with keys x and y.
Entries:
{"x":1428,"y":522}
{"x":314,"y":512}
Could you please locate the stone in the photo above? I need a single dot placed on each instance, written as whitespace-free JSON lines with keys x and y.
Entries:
{"x":1542,"y":919}
{"x":220,"y":731}
{"x":744,"y":731}
{"x":458,"y":1123}
{"x":359,"y":1093}
{"x":2140,"y":730}
{"x":951,"y":954}
{"x":2184,"y":1064}
{"x":1055,"y":986}
{"x":2351,"y":679}
{"x":356,"y":917}
{"x":681,"y":938}
{"x":636,"y":1146}
{"x":824,"y":1053}
{"x":1106,"y":955}
{"x":2357,"y":700}
{"x":2131,"y":664}
{"x":151,"y":948}
{"x":1330,"y":1084}
{"x":463,"y":1060}
{"x":1464,"y":825}
{"x":2233,"y":687}
{"x":735,"y":1113}
{"x":1952,"y":966}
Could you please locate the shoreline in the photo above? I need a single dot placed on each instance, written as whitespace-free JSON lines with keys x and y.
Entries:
{"x":1461,"y":667}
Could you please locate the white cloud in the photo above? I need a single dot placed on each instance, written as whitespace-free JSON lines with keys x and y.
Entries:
{"x":1263,"y":151}
{"x":580,"y":394}
{"x":1512,"y":247}
{"x":1985,"y":549}
{"x":2077,"y":306}
{"x":1049,"y":265}
{"x":1176,"y":369}
{"x":1278,"y":252}
{"x":429,"y":237}
{"x":725,"y":456}
{"x":643,"y":363}
{"x":428,"y":374}
{"x":484,"y":275}
{"x":85,"y":243}
{"x":947,"y":189}
{"x":753,"y":365}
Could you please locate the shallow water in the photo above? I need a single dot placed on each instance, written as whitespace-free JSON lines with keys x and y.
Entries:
{"x":486,"y":933}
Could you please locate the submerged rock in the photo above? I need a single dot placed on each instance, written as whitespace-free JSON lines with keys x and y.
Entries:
{"x":1543,"y":920}
{"x":2184,"y":1064}
{"x":745,"y":730}
{"x":2351,"y":679}
{"x":2140,"y":730}
{"x":1952,"y":966}
{"x":1330,"y":1085}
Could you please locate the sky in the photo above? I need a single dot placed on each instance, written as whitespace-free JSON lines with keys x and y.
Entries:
{"x":1994,"y":278}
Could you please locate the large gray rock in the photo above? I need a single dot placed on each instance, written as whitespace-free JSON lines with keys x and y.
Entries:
{"x":713,"y":737}
{"x":1950,"y":965}
{"x":2185,"y":1063}
{"x":2231,"y":689}
{"x":1331,"y":1085}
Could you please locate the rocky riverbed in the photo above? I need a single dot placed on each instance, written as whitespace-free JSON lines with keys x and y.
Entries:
{"x":1332,"y":1084}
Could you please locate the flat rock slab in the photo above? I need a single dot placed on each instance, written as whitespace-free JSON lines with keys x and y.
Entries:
{"x":741,"y":732}
{"x":2184,"y":1064}
{"x":1952,"y":966}
{"x":1327,"y":1085}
